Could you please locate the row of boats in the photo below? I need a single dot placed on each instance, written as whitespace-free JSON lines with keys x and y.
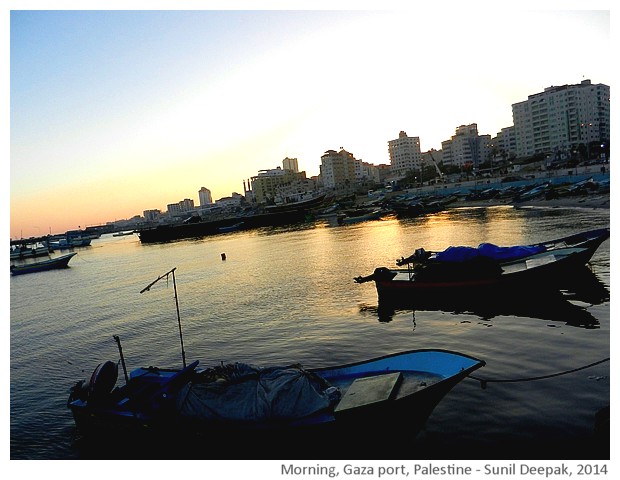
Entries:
{"x":356,"y":402}
{"x":349,"y":209}
{"x":35,"y":255}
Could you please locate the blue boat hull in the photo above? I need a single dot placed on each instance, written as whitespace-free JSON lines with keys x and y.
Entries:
{"x":425,"y":377}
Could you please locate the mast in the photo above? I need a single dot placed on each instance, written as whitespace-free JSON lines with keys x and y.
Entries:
{"x":176,"y":299}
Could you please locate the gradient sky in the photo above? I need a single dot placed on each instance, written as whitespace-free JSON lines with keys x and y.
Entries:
{"x":116,"y":112}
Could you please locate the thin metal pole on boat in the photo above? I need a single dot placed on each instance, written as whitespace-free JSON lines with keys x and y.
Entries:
{"x":120,"y":350}
{"x":176,"y":299}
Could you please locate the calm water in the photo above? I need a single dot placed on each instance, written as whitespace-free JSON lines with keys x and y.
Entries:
{"x":287,"y":295}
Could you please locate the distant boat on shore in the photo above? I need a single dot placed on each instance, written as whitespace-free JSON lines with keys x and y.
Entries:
{"x":122,"y":234}
{"x":303,"y":203}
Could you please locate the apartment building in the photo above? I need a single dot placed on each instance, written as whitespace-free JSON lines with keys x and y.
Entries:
{"x":560,"y":118}
{"x":265,"y":184}
{"x":338,"y":169}
{"x":204,"y":197}
{"x":466,"y":147}
{"x":405,"y":154}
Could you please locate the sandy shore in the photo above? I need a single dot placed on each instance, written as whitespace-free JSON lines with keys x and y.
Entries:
{"x":582,"y":201}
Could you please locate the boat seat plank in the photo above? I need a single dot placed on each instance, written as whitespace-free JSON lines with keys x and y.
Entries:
{"x":368,"y":391}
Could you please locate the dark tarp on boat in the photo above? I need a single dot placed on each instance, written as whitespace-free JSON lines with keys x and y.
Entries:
{"x":251,"y":394}
{"x":489,"y":250}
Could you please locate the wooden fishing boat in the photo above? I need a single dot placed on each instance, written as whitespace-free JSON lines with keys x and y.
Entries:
{"x":50,"y":264}
{"x":591,"y":240}
{"x":123,"y":233}
{"x":238,"y":401}
{"x":231,"y":228}
{"x":466,"y":271}
{"x":403,"y":387}
{"x":362,"y":215}
{"x":567,"y":300}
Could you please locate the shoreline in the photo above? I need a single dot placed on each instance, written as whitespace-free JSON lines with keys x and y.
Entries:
{"x":593,"y":201}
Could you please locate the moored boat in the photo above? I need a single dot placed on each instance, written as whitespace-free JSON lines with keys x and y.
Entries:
{"x":40,"y":266}
{"x":361,"y":215}
{"x":231,"y":228}
{"x":480,"y":271}
{"x":590,"y":240}
{"x":288,"y":404}
{"x":27,"y":249}
{"x":567,"y":301}
{"x":403,"y":387}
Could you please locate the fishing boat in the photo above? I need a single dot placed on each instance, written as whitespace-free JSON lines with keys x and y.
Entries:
{"x":459,"y":271}
{"x":590,"y":239}
{"x":29,"y":250}
{"x":567,"y":301}
{"x":50,"y":264}
{"x":231,"y":228}
{"x":67,"y":243}
{"x":237,"y":401}
{"x":298,"y":202}
{"x":403,"y":387}
{"x":361,"y":215}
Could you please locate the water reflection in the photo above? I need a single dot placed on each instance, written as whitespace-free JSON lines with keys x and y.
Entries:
{"x":553,"y":303}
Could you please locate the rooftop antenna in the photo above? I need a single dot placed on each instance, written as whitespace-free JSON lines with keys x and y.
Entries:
{"x":176,"y":299}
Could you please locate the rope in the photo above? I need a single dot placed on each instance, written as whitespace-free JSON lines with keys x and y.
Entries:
{"x":484,"y":381}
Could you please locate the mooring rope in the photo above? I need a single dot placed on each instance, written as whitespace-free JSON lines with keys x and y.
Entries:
{"x":484,"y":381}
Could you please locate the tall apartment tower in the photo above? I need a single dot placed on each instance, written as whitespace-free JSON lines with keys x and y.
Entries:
{"x":466,"y":147}
{"x":290,"y":164}
{"x":204,"y":196}
{"x":405,"y":154}
{"x":560,"y":118}
{"x":337,"y":169}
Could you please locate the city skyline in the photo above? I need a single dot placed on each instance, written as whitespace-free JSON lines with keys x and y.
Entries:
{"x":117,"y":112}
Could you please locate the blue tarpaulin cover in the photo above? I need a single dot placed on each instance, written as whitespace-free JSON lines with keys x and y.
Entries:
{"x":488,"y":250}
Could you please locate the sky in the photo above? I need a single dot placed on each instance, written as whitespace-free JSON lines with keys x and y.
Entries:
{"x":117,"y":109}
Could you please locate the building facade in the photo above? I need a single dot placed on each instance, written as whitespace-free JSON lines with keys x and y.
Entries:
{"x":505,"y":143}
{"x":561,"y":118}
{"x":338,"y":170}
{"x":290,"y":164}
{"x":466,"y":147}
{"x":405,"y":154}
{"x":265,"y":184}
{"x":204,"y":197}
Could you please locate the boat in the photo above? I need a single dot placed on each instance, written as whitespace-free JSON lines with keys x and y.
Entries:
{"x":230,"y":403}
{"x":361,"y":215}
{"x":299,"y":202}
{"x":29,"y":250}
{"x":50,"y":264}
{"x":568,"y":301}
{"x":590,"y":239}
{"x":123,"y":233}
{"x":203,"y":228}
{"x":403,"y":387}
{"x":231,"y":228}
{"x":488,"y":269}
{"x":66,"y":243}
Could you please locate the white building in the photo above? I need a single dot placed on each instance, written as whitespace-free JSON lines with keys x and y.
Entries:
{"x":204,"y":197}
{"x":338,"y":169}
{"x":505,"y":142}
{"x":264,"y":185}
{"x":560,"y":118}
{"x":405,"y":154}
{"x":290,"y":164}
{"x":466,"y":147}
